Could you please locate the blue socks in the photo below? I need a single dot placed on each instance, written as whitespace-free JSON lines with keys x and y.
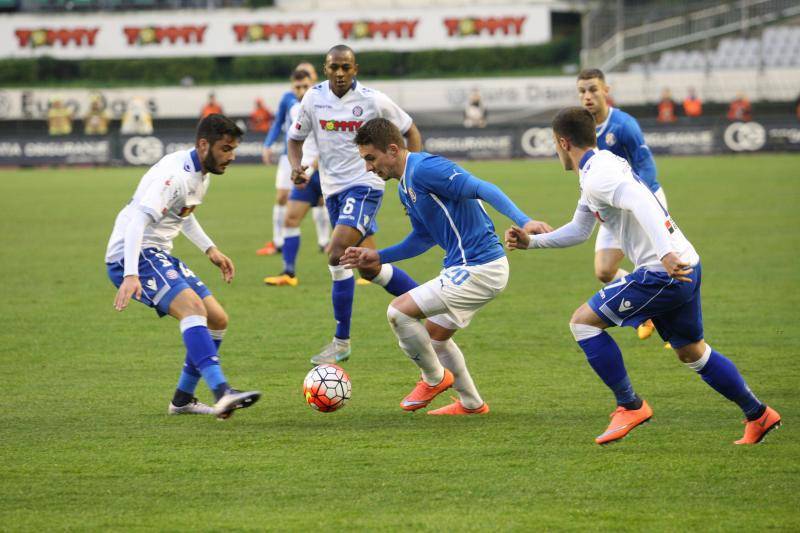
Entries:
{"x":344,"y":285}
{"x":201,"y":353}
{"x":394,"y":280}
{"x":291,"y":245}
{"x":605,"y":359}
{"x":721,"y":374}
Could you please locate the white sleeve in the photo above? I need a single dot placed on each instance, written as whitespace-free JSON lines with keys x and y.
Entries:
{"x":133,"y":240}
{"x":303,"y":125}
{"x":634,"y":197}
{"x":310,"y":152}
{"x":389,"y":110}
{"x":578,"y":230}
{"x":194,"y":232}
{"x":162,"y":194}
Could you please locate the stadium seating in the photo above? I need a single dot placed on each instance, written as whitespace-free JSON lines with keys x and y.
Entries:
{"x":778,"y":47}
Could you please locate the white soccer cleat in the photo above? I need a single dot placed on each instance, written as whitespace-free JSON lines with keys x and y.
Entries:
{"x":233,"y":400}
{"x":333,"y":352}
{"x":194,"y":407}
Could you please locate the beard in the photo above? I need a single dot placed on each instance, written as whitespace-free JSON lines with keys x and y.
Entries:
{"x":211,"y":165}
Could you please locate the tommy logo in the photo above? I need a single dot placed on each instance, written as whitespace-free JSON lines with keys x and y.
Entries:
{"x":340,"y":125}
{"x":624,"y":306}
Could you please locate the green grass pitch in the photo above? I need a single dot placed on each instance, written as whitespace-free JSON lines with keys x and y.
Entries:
{"x":85,"y":442}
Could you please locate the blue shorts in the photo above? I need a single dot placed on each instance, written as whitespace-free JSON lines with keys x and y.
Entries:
{"x":356,"y":207}
{"x":310,"y":194}
{"x":674,"y":306}
{"x":163,"y":277}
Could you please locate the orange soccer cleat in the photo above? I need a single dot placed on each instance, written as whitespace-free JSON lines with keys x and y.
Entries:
{"x":623,"y":421}
{"x":457,"y":408}
{"x":756,"y":430}
{"x":645,"y":329}
{"x":423,"y":393}
{"x":268,"y":249}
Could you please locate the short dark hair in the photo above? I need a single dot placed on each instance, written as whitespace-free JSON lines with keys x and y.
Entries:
{"x":215,"y":127}
{"x":380,"y":133}
{"x":591,"y":73}
{"x":576,"y":125}
{"x":340,"y":48}
{"x":300,"y":74}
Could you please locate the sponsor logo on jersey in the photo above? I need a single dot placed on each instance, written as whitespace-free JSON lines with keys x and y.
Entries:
{"x":340,"y":125}
{"x":670,"y":227}
{"x":358,"y":111}
{"x":611,"y":139}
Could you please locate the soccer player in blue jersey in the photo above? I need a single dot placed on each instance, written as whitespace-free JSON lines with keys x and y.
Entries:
{"x":664,"y":286}
{"x":303,"y":77}
{"x":140,"y":265}
{"x":619,"y":133}
{"x":443,"y":203}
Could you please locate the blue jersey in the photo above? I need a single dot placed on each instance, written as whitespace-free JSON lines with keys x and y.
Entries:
{"x":282,"y":120}
{"x":440,"y":199}
{"x":621,"y":134}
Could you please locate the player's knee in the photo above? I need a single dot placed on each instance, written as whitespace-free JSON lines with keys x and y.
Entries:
{"x":218,"y":320}
{"x":187,"y":303}
{"x":692,"y":352}
{"x":336,"y":252}
{"x":282,"y":197}
{"x":396,"y":317}
{"x":292,"y":220}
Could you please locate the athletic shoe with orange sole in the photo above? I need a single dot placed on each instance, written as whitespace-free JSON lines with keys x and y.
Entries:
{"x":645,"y":329}
{"x":423,"y":394}
{"x":457,"y":408}
{"x":268,"y":249}
{"x":282,"y":280}
{"x":623,"y":421}
{"x":756,"y":430}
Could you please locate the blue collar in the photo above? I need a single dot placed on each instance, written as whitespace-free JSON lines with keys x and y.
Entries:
{"x":195,"y":159}
{"x":586,"y":157}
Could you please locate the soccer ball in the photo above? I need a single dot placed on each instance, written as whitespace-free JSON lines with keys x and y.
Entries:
{"x":326,"y":388}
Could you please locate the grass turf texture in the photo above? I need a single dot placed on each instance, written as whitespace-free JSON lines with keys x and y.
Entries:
{"x":86,"y":443}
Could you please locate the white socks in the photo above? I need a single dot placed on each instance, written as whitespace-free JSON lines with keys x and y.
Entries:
{"x":278,"y":214}
{"x":450,"y":356}
{"x":384,"y":276}
{"x":581,"y":332}
{"x":339,"y":272}
{"x":698,"y":365}
{"x":323,"y":224}
{"x":416,"y":343}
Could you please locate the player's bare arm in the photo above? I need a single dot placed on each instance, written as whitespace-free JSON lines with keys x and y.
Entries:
{"x":294,"y":150}
{"x":223,"y":262}
{"x":413,"y":139}
{"x":131,"y":286}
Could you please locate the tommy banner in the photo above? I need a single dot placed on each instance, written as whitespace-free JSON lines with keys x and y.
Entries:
{"x":267,"y":31}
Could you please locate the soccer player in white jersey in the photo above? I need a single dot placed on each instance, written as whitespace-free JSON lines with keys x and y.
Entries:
{"x":443,"y":202}
{"x":301,"y":200}
{"x":664,"y":286}
{"x":332,"y":112}
{"x":619,"y":133}
{"x":283,"y":176}
{"x":139,"y":263}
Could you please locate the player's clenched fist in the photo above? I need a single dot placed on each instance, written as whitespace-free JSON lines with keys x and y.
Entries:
{"x":517,"y":238}
{"x":299,"y":176}
{"x":363,"y":258}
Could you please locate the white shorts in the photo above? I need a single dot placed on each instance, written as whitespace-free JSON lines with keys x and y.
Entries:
{"x":607,"y":240}
{"x":283,"y":178}
{"x":452,"y":299}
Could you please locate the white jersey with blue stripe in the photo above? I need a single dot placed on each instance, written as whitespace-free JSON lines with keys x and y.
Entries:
{"x":431,"y":191}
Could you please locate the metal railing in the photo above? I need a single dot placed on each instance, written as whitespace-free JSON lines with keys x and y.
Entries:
{"x":649,"y":37}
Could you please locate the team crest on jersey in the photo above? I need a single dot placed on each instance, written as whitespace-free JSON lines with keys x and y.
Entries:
{"x":340,"y":125}
{"x":358,"y":111}
{"x":412,"y":195}
{"x":611,"y":139}
{"x":186,"y":211}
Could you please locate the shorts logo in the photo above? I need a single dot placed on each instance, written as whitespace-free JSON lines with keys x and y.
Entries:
{"x":412,"y":195}
{"x":340,"y":125}
{"x":625,"y":305}
{"x":151,"y":284}
{"x":366,"y":219}
{"x":611,"y":139}
{"x":172,"y":274}
{"x":357,"y":111}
